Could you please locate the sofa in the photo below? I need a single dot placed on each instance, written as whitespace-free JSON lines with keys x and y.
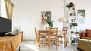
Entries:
{"x":85,"y":34}
{"x":84,"y":45}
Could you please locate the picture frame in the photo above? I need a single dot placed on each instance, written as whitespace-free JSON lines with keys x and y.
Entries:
{"x":81,"y":16}
{"x":45,"y":15}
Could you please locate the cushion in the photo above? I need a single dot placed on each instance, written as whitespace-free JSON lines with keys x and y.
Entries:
{"x":88,"y":31}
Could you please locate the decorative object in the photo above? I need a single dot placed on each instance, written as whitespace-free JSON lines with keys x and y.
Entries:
{"x":70,"y":5}
{"x":81,"y":16}
{"x":76,"y":32}
{"x":50,"y":23}
{"x":73,"y":8}
{"x":45,"y":15}
{"x":17,"y":30}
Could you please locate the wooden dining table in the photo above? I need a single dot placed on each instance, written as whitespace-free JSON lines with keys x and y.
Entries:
{"x":42,"y":32}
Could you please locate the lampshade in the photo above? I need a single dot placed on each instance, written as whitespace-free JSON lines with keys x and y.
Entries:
{"x":62,"y":19}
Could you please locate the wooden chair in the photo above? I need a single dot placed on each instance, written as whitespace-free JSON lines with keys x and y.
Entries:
{"x":41,"y":36}
{"x":63,"y":34}
{"x":52,"y":36}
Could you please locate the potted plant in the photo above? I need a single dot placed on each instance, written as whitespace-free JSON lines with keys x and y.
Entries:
{"x":72,"y":32}
{"x":50,"y":23}
{"x":74,"y":24}
{"x":17,"y":30}
{"x":77,"y":33}
{"x":70,"y":5}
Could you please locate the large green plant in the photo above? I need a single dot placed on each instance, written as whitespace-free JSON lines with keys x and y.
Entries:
{"x":50,"y":23}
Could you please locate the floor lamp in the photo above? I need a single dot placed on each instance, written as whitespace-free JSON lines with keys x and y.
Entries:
{"x":63,"y":19}
{"x":64,"y":29}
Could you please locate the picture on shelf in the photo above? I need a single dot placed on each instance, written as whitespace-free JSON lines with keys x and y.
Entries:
{"x":72,"y":20}
{"x":45,"y":15}
{"x":73,"y":14}
{"x":70,"y":14}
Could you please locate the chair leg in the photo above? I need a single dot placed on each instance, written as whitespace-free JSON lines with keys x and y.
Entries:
{"x":36,"y":40}
{"x":58,"y":41}
{"x":66,"y":43}
{"x":61,"y":40}
{"x":56,"y":45}
{"x":39,"y":42}
{"x":49,"y":44}
{"x":44,"y":41}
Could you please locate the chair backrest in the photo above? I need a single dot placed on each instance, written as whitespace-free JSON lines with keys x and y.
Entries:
{"x":35,"y":31}
{"x":65,"y":29}
{"x":53,"y":32}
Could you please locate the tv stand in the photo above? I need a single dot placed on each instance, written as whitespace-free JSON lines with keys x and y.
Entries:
{"x":12,"y":41}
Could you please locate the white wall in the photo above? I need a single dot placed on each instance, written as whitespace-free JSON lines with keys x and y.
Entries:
{"x":27,"y":14}
{"x":83,"y":4}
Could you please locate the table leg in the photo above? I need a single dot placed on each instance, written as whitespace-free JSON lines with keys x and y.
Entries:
{"x":39,"y":39}
{"x":19,"y":48}
{"x":65,"y":43}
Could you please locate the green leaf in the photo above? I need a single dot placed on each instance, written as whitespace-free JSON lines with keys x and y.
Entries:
{"x":49,"y":22}
{"x":70,"y":5}
{"x":74,"y":24}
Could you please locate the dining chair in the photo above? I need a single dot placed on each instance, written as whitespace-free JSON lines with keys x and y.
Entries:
{"x":52,"y":36}
{"x":41,"y":36}
{"x":63,"y":35}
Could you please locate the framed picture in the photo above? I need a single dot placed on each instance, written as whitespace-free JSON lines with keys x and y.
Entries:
{"x":45,"y":15}
{"x":81,"y":16}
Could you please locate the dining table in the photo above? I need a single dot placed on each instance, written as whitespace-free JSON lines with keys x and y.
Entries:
{"x":45,"y":32}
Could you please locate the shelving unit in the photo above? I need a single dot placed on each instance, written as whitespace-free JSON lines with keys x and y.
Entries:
{"x":72,"y":18}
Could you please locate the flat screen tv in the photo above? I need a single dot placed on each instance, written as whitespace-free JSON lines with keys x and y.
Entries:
{"x":5,"y":26}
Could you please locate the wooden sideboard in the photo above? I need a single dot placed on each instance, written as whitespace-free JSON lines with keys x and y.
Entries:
{"x":10,"y":43}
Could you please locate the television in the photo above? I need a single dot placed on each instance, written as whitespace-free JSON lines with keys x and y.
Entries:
{"x":5,"y":26}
